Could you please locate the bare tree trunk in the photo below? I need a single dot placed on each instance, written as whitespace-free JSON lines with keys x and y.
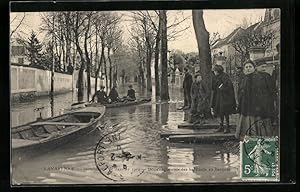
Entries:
{"x":148,"y":64}
{"x":97,"y":65}
{"x":110,"y":68}
{"x":202,"y":37}
{"x":156,"y":60}
{"x":88,"y":60}
{"x":80,"y":74}
{"x":68,"y":41}
{"x":105,"y":71}
{"x":82,"y":65}
{"x":164,"y":95}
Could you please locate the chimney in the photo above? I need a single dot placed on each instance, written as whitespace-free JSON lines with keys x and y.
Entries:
{"x":256,"y":53}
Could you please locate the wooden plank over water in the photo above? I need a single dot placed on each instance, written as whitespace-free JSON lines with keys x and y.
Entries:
{"x":202,"y":138}
{"x":203,"y":126}
{"x":180,"y":132}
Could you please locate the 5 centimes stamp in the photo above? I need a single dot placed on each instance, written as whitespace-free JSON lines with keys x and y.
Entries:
{"x":114,"y":161}
{"x":259,"y":158}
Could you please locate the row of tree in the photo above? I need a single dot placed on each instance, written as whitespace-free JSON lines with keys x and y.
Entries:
{"x":92,"y":42}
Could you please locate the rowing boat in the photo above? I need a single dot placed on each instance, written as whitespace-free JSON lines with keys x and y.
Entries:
{"x":47,"y":134}
{"x":111,"y":105}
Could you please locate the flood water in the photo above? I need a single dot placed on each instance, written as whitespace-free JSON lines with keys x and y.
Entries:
{"x":141,"y":125}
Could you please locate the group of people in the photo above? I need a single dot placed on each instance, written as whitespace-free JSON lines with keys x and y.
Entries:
{"x":113,"y":96}
{"x":256,"y":95}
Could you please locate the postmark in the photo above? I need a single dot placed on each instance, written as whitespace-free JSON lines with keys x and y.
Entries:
{"x":259,"y":158}
{"x":116,"y":162}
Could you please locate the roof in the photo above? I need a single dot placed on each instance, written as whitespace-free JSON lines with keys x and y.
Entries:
{"x":236,"y":33}
{"x":229,"y":38}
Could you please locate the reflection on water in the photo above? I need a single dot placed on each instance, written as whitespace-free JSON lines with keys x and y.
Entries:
{"x":141,"y":126}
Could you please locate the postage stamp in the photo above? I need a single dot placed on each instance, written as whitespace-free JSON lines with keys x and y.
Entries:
{"x":259,"y":158}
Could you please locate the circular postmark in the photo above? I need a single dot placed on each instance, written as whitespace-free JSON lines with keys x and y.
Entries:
{"x":114,"y":160}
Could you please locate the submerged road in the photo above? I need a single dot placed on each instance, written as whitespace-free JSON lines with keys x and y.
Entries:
{"x":160,"y":160}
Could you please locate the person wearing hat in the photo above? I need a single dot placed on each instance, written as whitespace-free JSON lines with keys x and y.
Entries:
{"x":223,"y":101}
{"x":101,"y":96}
{"x":255,"y":103}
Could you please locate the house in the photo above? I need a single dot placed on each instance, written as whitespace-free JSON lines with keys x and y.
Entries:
{"x":224,"y":53}
{"x":18,"y":53}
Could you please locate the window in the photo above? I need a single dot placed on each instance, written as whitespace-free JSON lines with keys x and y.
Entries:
{"x":18,"y":50}
{"x":21,"y":60}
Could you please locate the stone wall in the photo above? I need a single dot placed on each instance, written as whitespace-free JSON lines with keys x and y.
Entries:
{"x":28,"y":82}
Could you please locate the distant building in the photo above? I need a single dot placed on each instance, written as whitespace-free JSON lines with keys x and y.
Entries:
{"x":224,"y":53}
{"x":18,"y":53}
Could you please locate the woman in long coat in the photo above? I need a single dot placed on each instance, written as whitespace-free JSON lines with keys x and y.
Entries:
{"x":223,"y":100}
{"x":256,"y":96}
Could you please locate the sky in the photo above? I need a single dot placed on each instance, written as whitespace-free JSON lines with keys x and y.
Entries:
{"x":221,"y":21}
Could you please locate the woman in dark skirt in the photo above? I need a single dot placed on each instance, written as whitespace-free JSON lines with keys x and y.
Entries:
{"x":223,"y":100}
{"x":255,"y":103}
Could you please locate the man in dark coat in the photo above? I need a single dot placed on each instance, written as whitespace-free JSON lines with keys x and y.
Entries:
{"x":223,"y":100}
{"x":114,"y":95}
{"x":101,"y":96}
{"x":187,"y":84}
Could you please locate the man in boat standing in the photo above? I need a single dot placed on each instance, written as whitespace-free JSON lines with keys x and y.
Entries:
{"x":101,"y":96}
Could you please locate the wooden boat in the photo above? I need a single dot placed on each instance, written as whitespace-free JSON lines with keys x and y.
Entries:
{"x":46,"y":134}
{"x":111,"y":105}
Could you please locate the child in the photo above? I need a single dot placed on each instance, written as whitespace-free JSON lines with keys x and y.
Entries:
{"x":199,"y":100}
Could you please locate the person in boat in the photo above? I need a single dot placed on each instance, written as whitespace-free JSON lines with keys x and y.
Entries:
{"x":130,"y":95}
{"x":101,"y":96}
{"x":199,"y":100}
{"x":223,"y":99}
{"x":114,"y":95}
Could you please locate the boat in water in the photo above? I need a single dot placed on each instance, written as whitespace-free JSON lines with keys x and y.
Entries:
{"x":110,"y":105}
{"x":46,"y":134}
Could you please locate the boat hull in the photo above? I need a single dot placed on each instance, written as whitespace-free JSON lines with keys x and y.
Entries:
{"x":33,"y":148}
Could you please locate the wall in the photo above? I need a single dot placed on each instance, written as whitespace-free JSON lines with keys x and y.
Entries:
{"x":25,"y":80}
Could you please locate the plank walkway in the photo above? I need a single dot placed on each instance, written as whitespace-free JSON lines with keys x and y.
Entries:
{"x":202,"y":138}
{"x":203,"y":126}
{"x":206,"y":133}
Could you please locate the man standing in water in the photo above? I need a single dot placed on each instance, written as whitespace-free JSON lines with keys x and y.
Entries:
{"x":187,"y":84}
